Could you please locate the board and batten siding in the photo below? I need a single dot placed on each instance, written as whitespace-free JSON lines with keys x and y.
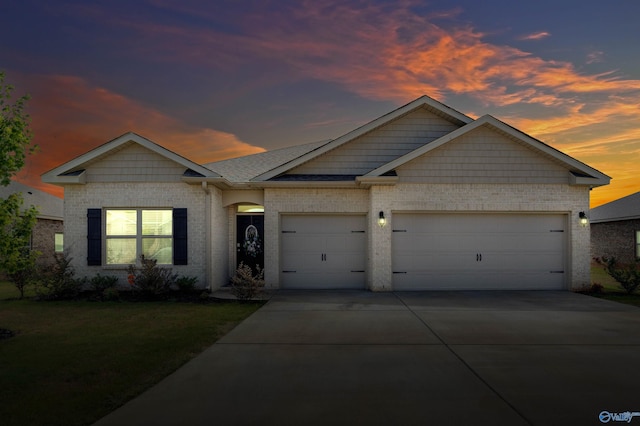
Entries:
{"x":482,"y":156}
{"x":380,"y":146}
{"x":134,"y":163}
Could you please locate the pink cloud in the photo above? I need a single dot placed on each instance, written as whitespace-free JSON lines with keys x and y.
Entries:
{"x":535,"y":36}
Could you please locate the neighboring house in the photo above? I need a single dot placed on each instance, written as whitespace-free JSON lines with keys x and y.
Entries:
{"x":47,"y":235}
{"x":465,"y":204}
{"x":615,"y":229}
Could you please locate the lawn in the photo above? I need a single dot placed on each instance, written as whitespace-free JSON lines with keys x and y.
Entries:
{"x":611,"y":289}
{"x":72,"y":362}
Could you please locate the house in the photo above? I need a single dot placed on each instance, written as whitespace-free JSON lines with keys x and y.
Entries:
{"x":421,"y":198}
{"x":48,"y":232}
{"x":615,"y":229}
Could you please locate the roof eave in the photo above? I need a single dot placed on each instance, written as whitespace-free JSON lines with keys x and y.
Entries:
{"x":61,"y":179}
{"x":219,"y":182}
{"x":590,"y":181}
{"x":367,"y":181}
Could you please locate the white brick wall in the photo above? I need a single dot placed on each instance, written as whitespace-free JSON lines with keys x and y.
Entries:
{"x":78,"y":198}
{"x":558,"y":198}
{"x":565,"y":199}
{"x":293,"y":200}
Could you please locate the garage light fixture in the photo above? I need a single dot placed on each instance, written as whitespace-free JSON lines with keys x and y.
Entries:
{"x":381,"y":220}
{"x":584,"y":220}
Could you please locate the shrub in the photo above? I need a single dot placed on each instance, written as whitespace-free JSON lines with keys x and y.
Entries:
{"x":100,"y":283}
{"x":186,"y":284}
{"x":110,"y":293}
{"x":596,"y":288}
{"x":244,"y":284}
{"x":23,"y":277}
{"x":149,"y":278}
{"x":628,"y":276}
{"x":58,"y":281}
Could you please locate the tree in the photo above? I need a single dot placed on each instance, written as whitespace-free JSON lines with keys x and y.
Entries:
{"x":16,"y":223}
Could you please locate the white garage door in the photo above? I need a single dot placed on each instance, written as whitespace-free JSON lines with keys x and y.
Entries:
{"x":479,"y":251}
{"x":323,"y":252}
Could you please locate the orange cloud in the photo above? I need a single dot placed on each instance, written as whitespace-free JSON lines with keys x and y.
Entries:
{"x":70,"y":117}
{"x":389,"y":52}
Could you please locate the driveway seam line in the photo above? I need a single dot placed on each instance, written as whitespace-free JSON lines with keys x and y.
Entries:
{"x":455,"y":354}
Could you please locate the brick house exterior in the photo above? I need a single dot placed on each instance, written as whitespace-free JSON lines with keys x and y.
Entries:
{"x":421,"y":198}
{"x":49,"y":222}
{"x":615,"y":229}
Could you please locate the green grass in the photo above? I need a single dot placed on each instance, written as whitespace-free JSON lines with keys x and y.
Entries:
{"x":73,"y":362}
{"x":611,"y":289}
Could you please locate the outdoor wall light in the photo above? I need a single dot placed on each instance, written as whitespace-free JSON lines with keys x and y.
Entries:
{"x":584,"y":220}
{"x":381,"y":220}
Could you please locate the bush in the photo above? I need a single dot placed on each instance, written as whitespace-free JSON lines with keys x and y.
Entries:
{"x":150,"y":279}
{"x":596,"y":288}
{"x":186,"y":284}
{"x":245,"y":285}
{"x":628,"y":276}
{"x":100,"y":283}
{"x":110,"y":293}
{"x":59,"y":280}
{"x":23,"y":277}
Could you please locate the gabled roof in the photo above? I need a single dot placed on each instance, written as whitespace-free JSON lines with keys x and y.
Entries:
{"x":581,"y":173}
{"x":422,"y":102}
{"x":244,"y":169}
{"x":72,"y":171}
{"x":625,"y":208}
{"x":49,"y":206}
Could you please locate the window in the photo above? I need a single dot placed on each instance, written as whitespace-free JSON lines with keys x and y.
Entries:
{"x":59,"y":242}
{"x":637,"y":244}
{"x":130,"y":233}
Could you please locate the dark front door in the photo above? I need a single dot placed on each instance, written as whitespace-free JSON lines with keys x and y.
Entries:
{"x":250,"y":240}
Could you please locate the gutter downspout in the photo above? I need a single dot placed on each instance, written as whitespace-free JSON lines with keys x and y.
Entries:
{"x":207,"y":233}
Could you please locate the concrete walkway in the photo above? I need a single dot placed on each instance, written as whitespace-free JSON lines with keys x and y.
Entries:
{"x":437,"y":358}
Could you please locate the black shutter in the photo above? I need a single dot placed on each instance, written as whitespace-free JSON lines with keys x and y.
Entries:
{"x":180,"y":236}
{"x":94,"y":237}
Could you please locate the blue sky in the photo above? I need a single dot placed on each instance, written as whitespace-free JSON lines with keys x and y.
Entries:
{"x":218,"y":79}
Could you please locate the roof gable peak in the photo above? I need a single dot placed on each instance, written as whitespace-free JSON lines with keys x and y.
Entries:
{"x":424,"y":101}
{"x":56,"y":175}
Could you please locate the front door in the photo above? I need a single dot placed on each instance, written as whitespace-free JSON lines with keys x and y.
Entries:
{"x":250,"y":240}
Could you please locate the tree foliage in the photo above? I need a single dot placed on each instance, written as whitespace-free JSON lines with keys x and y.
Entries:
{"x":16,"y":223}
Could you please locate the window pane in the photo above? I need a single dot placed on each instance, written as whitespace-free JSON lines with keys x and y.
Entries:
{"x":157,"y":222}
{"x":159,"y":249}
{"x":59,"y":242}
{"x":121,"y":222}
{"x":121,"y":251}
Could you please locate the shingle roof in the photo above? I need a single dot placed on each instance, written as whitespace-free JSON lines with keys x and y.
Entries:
{"x":243,"y":169}
{"x":49,"y":206}
{"x":622,"y":209}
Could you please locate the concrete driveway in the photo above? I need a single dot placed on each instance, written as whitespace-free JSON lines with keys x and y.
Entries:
{"x":320,"y":358}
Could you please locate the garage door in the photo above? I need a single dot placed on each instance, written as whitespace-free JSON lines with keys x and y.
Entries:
{"x":479,"y":251}
{"x":323,"y":252}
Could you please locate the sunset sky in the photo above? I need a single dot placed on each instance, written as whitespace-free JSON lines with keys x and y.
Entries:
{"x":218,"y":79}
